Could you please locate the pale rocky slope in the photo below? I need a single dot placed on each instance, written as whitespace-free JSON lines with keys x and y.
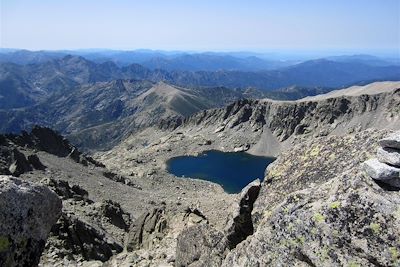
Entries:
{"x":315,"y":207}
{"x":264,"y":127}
{"x":356,"y":90}
{"x":322,"y":144}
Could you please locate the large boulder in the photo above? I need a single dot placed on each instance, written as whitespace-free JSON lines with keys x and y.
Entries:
{"x":27,"y":213}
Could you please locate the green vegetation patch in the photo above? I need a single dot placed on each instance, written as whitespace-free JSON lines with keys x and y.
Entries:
{"x":395,"y":255}
{"x":335,"y":205}
{"x":4,"y":243}
{"x":354,"y":264}
{"x":375,"y":227}
{"x":318,"y":217}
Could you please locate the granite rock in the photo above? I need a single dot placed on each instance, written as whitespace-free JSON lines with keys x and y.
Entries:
{"x":393,"y":140}
{"x":381,"y":171}
{"x":28,"y":211}
{"x":389,"y":155}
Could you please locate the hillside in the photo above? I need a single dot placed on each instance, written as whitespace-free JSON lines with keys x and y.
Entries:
{"x":98,"y":115}
{"x":200,"y":133}
{"x":33,"y":83}
{"x":317,"y":178}
{"x":132,"y":211}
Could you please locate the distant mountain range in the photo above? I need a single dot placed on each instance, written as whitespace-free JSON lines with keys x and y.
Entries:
{"x":188,"y":61}
{"x":22,"y":85}
{"x":181,"y":61}
{"x":100,"y":114}
{"x":95,"y":102}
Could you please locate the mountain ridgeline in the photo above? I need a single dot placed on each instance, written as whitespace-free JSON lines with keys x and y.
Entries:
{"x":99,"y":115}
{"x":97,"y":104}
{"x":23,"y":85}
{"x":122,"y":206}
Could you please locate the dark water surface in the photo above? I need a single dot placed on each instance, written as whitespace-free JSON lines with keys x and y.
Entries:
{"x":232,"y":171}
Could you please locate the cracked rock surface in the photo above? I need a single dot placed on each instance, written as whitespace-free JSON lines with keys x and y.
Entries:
{"x":312,"y":212}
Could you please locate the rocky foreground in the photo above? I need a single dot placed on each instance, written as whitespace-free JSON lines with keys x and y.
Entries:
{"x":317,"y":206}
{"x":325,"y":201}
{"x":105,"y":212}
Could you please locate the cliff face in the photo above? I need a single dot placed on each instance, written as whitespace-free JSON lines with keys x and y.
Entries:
{"x":282,"y":121}
{"x":315,"y":207}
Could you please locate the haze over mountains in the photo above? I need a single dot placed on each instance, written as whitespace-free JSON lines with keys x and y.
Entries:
{"x":97,"y":102}
{"x":113,"y":158}
{"x":30,"y":75}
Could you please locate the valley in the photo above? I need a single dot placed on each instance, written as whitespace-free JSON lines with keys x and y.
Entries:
{"x":200,"y":133}
{"x":122,"y":206}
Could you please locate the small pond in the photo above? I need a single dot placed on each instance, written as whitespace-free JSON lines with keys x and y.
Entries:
{"x":233,"y":171}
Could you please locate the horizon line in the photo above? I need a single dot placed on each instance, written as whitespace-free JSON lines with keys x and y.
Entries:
{"x":285,"y":51}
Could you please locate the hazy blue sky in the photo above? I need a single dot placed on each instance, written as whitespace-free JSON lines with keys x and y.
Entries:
{"x":201,"y":25}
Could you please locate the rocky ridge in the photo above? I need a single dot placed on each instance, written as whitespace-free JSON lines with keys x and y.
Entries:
{"x":14,"y":162}
{"x":322,"y":144}
{"x":272,"y":124}
{"x":315,"y":194}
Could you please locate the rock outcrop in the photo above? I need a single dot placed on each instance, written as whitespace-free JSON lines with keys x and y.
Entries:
{"x":315,"y":207}
{"x":86,"y":230}
{"x":200,"y":245}
{"x":346,"y":221}
{"x":204,"y":245}
{"x":269,"y":127}
{"x":79,"y":237}
{"x":28,"y":211}
{"x":45,"y":139}
{"x":147,"y":230}
{"x":120,"y":179}
{"x":386,"y":167}
{"x":19,"y":163}
{"x":240,"y":224}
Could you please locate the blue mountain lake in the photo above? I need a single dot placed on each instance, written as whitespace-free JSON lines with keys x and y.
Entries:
{"x":233,"y":171}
